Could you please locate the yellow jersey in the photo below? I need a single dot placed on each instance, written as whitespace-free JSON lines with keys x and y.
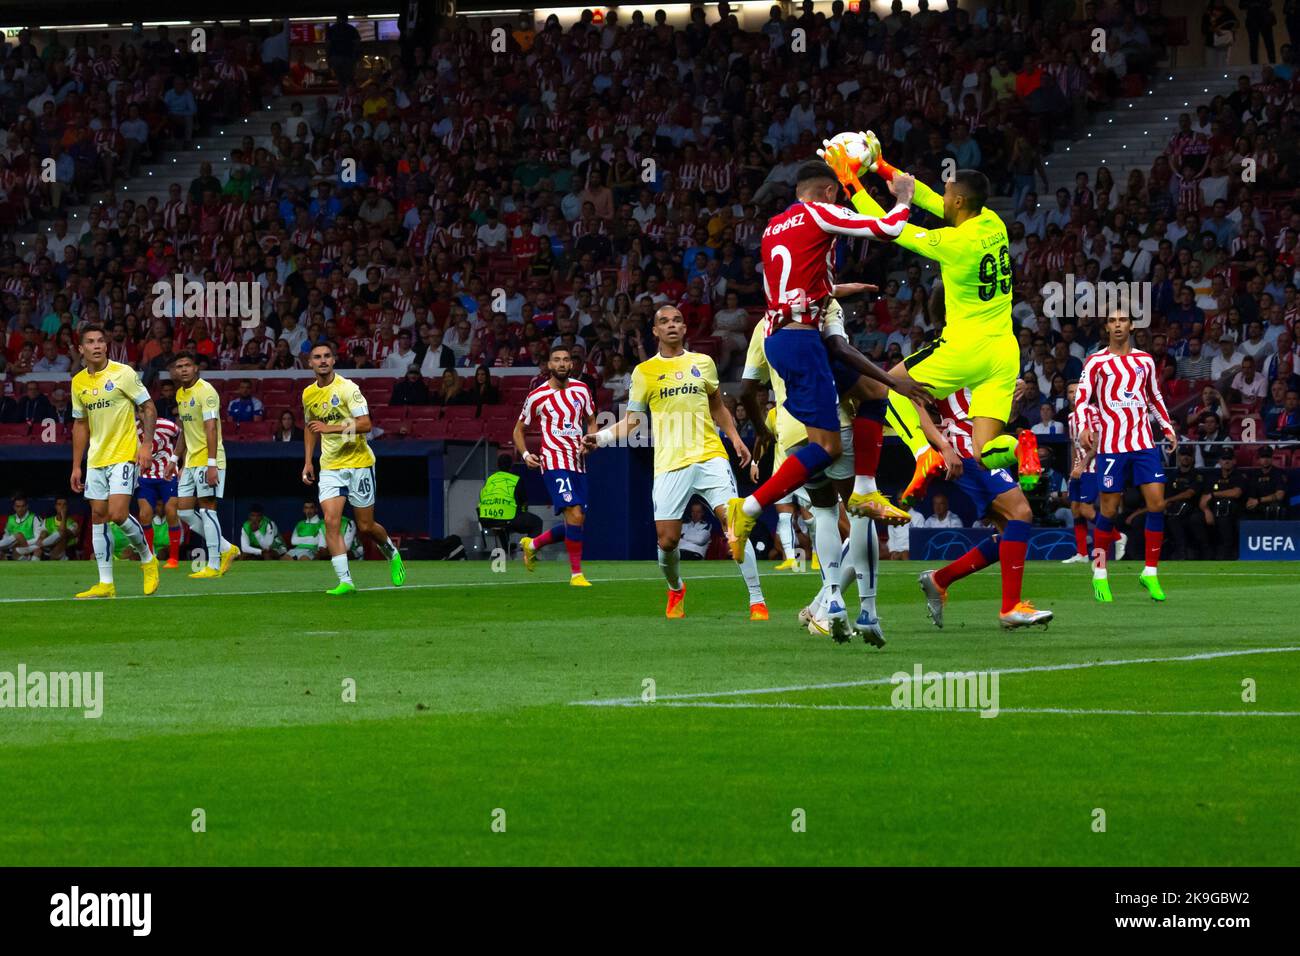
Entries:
{"x":675,"y":391}
{"x":106,"y":401}
{"x":195,"y":405}
{"x":339,"y":401}
{"x":789,"y":430}
{"x":975,"y":265}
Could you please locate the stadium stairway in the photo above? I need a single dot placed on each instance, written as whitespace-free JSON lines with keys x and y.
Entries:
{"x":1134,"y":131}
{"x":178,"y":165}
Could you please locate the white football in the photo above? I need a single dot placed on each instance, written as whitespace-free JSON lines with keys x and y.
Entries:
{"x":857,"y":148}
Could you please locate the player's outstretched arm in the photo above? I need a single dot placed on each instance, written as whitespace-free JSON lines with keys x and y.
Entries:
{"x":722,"y":417}
{"x":838,"y":347}
{"x":615,"y":433}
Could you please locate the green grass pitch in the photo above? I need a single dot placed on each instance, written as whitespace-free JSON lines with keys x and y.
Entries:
{"x":473,"y":706}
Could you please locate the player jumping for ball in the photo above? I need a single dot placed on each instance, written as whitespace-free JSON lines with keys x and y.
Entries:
{"x":977,"y":348}
{"x":797,"y":248}
{"x":1118,"y":391}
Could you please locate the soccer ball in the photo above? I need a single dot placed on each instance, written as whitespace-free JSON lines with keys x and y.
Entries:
{"x":857,"y":147}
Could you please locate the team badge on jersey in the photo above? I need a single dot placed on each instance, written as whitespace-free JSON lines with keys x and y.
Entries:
{"x":695,"y":371}
{"x":108,"y":386}
{"x":334,"y":399}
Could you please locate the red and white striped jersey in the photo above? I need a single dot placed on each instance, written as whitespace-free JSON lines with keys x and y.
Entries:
{"x":1076,"y":452}
{"x":798,"y":255}
{"x":164,"y":444}
{"x":1120,"y":392}
{"x":562,"y":414}
{"x":955,"y":421}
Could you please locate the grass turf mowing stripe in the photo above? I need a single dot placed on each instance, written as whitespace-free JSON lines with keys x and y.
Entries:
{"x":1066,"y":711}
{"x":883,"y":571}
{"x":320,"y":590}
{"x":874,"y":681}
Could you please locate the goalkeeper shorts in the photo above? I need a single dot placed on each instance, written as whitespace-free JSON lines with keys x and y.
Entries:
{"x":989,"y":367}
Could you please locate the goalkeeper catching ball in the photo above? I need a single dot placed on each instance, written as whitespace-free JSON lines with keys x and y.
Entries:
{"x":977,"y":348}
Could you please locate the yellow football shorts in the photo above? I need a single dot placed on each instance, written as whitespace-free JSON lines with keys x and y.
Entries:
{"x":989,"y":367}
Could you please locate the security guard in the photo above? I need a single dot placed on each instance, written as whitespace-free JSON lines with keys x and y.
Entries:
{"x":1182,"y":498}
{"x":1221,"y":504}
{"x":1266,"y":490}
{"x":502,"y":507}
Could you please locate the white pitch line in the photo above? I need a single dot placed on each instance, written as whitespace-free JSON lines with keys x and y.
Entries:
{"x":321,"y":590}
{"x":876,"y":681}
{"x":890,"y":572}
{"x":754,"y":705}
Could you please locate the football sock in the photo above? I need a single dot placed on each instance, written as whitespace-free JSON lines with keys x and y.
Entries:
{"x":868,"y":437}
{"x":102,"y":539}
{"x":386,"y":547}
{"x":749,"y":571}
{"x":847,"y":575}
{"x":976,"y":559}
{"x":1155,"y":540}
{"x":670,"y":562}
{"x":548,"y":536}
{"x":785,"y":533}
{"x":212,"y":536}
{"x":864,"y":554}
{"x":828,"y":546}
{"x":1103,"y":536}
{"x":1011,"y":552}
{"x":573,"y":545}
{"x":807,"y":461}
{"x":340,"y":562}
{"x":173,"y":543}
{"x":907,"y":422}
{"x":135,"y":535}
{"x":1081,"y":536}
{"x":7,"y":540}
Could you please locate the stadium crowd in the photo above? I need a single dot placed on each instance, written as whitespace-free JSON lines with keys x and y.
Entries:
{"x":557,"y":194}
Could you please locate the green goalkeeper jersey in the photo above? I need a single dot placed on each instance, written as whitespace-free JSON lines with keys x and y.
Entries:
{"x":975,"y":263}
